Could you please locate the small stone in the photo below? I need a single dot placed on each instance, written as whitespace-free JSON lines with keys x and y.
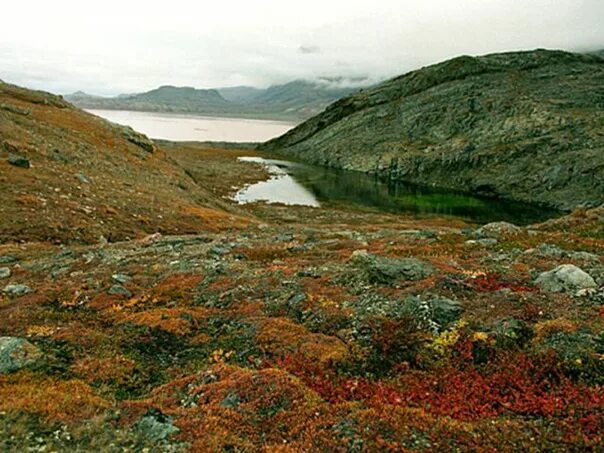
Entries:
{"x":286,"y":237}
{"x":16,"y":353}
{"x":8,"y":259}
{"x":486,"y":242}
{"x":219,"y":250}
{"x":119,"y":290}
{"x":121,"y":278}
{"x":83,"y":178}
{"x":18,"y":161}
{"x":565,"y":278}
{"x":17,"y":290}
{"x":4,"y":272}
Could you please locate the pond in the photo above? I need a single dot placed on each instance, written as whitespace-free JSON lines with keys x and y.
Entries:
{"x":293,"y":183}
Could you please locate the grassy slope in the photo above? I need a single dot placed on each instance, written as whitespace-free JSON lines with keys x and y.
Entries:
{"x":131,"y":192}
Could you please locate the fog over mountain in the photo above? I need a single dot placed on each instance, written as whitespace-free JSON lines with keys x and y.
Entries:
{"x":116,"y":47}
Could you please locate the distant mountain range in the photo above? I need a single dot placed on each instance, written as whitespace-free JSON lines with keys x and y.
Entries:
{"x":297,"y":100}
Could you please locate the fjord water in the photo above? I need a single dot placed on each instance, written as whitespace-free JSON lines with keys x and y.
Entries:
{"x":294,"y":183}
{"x":184,"y":127}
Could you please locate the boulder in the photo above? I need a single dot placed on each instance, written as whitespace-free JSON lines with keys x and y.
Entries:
{"x":565,"y":278}
{"x":4,"y":272}
{"x":384,"y":270}
{"x":497,"y":229}
{"x":16,"y":353}
{"x":445,"y":311}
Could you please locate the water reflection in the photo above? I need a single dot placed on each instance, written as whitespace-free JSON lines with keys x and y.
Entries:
{"x":281,"y":187}
{"x":323,"y":185}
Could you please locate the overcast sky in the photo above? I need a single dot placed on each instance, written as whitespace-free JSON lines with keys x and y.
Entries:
{"x":110,"y":47}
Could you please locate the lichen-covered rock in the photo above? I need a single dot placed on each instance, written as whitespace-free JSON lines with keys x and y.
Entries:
{"x":565,"y":278}
{"x":497,"y":229}
{"x":434,"y":313}
{"x":119,"y":290}
{"x":16,"y":353}
{"x":384,"y":270}
{"x":156,"y":426}
{"x":138,"y":139}
{"x":4,"y":272}
{"x":17,"y":290}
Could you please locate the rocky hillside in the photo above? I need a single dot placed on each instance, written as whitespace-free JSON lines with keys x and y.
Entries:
{"x":68,"y":176}
{"x":525,"y":125}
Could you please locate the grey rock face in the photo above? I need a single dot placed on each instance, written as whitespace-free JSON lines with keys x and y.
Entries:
{"x":17,"y":289}
{"x":390,"y":270}
{"x":565,"y":278}
{"x":18,"y":161}
{"x":16,"y":353}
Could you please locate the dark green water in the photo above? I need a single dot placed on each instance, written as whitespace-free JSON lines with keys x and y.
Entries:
{"x":337,"y":187}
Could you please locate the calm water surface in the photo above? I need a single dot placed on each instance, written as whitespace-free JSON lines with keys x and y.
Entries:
{"x":182,"y":127}
{"x":299,"y":184}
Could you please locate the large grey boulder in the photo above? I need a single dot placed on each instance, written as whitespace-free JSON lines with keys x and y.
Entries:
{"x":565,"y":278}
{"x":17,"y":353}
{"x":384,"y":270}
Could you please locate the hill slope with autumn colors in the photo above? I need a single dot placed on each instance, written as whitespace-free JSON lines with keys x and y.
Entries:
{"x":89,"y":179}
{"x":269,"y":327}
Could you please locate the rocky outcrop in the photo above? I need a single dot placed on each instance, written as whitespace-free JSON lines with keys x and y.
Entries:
{"x":523,"y":126}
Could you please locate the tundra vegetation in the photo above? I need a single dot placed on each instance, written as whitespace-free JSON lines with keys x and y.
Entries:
{"x":143,"y":311}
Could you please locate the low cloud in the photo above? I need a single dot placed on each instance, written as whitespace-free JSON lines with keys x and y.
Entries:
{"x":72,"y":45}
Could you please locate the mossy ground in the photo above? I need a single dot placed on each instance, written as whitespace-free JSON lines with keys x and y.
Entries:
{"x":258,"y":336}
{"x":258,"y":331}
